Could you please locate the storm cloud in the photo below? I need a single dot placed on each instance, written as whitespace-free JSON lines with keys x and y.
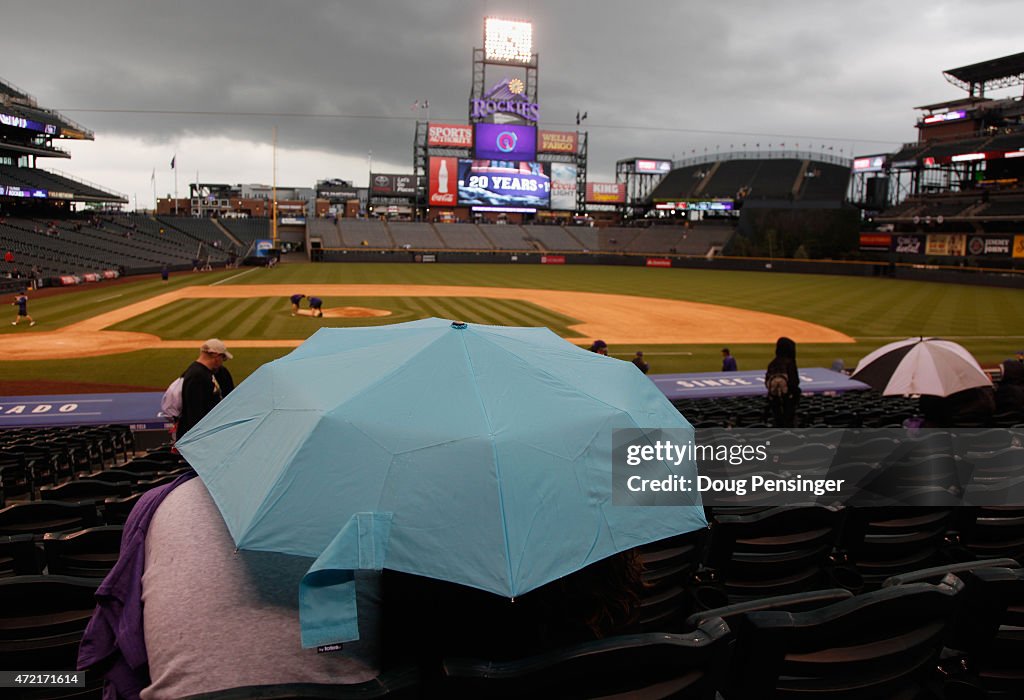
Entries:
{"x":208,"y":81}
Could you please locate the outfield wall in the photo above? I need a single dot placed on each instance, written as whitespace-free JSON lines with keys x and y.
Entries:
{"x":918,"y":273}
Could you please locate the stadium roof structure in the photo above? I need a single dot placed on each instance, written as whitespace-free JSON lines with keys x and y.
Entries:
{"x":995,"y":73}
{"x":35,"y":184}
{"x":15,"y":102}
{"x":953,"y":104}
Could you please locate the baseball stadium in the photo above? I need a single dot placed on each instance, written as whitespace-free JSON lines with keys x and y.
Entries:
{"x":863,"y":262}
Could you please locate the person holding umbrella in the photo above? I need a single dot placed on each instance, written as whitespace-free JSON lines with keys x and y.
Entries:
{"x":952,"y":387}
{"x":475,"y":444}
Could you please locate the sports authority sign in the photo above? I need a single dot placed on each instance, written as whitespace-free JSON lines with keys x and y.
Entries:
{"x":450,"y":135}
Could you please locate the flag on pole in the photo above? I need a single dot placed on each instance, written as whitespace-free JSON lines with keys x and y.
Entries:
{"x":174,"y":158}
{"x":152,"y":178}
{"x":414,"y":105}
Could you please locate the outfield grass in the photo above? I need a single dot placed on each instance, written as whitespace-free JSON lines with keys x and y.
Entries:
{"x":988,"y":321}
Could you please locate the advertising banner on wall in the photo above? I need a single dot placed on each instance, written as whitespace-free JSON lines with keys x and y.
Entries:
{"x":450,"y":135}
{"x":444,"y":173}
{"x":393,"y":185}
{"x":338,"y":194}
{"x":908,"y":244}
{"x":875,"y":241}
{"x":979,"y":245}
{"x":504,"y":142}
{"x":1018,"y":246}
{"x":606,"y":192}
{"x":563,"y":186}
{"x":500,"y":183}
{"x":556,"y":141}
{"x":947,"y":244}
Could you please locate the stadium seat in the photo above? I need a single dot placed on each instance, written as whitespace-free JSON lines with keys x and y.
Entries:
{"x":85,"y":490}
{"x":989,"y":633}
{"x":91,"y":552}
{"x":669,"y":570}
{"x":886,"y":541}
{"x":15,"y":476}
{"x":992,"y":523}
{"x":793,"y":603}
{"x":41,"y":517}
{"x":635,"y":666}
{"x":773,"y":552}
{"x":42,"y":619}
{"x":936,"y":573}
{"x":18,"y":556}
{"x":115,"y":510}
{"x":876,"y":645}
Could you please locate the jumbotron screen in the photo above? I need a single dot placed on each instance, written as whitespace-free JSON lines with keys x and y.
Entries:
{"x":505,"y":142}
{"x":504,"y":183}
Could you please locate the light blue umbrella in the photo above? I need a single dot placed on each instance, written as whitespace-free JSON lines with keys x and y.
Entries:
{"x":479,"y":455}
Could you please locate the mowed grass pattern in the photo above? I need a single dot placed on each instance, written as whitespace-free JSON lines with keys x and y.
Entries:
{"x":270,"y":317}
{"x":988,"y":321}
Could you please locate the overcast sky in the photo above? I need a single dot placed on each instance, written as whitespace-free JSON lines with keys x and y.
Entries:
{"x":657,"y":78}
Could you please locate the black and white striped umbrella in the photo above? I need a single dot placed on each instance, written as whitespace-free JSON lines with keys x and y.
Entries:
{"x":929,"y":366}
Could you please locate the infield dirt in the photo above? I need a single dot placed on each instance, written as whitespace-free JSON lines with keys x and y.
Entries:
{"x":615,"y":318}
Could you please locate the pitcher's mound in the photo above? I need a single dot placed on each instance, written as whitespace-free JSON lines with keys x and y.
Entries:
{"x":349,"y":312}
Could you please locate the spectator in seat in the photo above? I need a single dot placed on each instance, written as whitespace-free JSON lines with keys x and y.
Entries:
{"x":969,"y":407}
{"x":215,"y":617}
{"x":1010,"y":392}
{"x":782,"y":380}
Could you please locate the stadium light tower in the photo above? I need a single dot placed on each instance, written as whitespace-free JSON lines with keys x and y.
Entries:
{"x":508,"y":41}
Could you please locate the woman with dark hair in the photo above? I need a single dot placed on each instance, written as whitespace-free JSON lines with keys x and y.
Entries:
{"x":782,"y":381}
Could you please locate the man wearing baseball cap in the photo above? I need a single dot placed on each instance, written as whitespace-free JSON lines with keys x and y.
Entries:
{"x":204,"y":384}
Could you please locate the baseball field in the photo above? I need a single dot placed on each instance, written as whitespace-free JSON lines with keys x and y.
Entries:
{"x":140,"y":333}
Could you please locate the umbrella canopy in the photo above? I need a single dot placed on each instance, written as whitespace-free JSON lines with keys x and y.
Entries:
{"x":928,"y":366}
{"x":479,"y":455}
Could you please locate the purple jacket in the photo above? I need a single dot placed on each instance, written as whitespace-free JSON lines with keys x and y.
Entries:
{"x":114,"y":642}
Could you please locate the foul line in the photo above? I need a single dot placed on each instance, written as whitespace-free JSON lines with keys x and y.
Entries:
{"x":214,"y":284}
{"x":941,"y":337}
